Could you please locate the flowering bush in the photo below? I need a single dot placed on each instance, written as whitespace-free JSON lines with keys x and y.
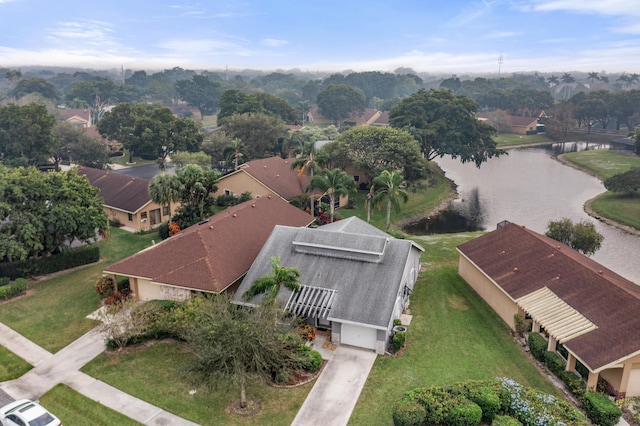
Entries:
{"x":308,"y":332}
{"x":118,"y":298}
{"x":105,"y":286}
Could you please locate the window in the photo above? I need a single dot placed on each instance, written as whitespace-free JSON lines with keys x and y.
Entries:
{"x":143,"y":217}
{"x":356,"y":178}
{"x":165,"y":211}
{"x":227,"y":192}
{"x":130,"y":217}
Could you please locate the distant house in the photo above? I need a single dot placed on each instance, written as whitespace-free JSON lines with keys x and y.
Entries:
{"x":79,"y":117}
{"x":209,"y":257}
{"x":127,"y":200}
{"x":589,"y":309}
{"x":519,"y":124}
{"x":369,"y":117}
{"x":354,"y":278}
{"x":267,"y":176}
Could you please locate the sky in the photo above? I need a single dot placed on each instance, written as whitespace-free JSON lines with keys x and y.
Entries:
{"x":432,"y":36}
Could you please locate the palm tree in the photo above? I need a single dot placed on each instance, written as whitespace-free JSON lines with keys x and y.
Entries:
{"x":368,"y":201}
{"x":553,"y":80}
{"x":234,"y":151}
{"x":306,"y":161}
{"x":567,"y":78}
{"x":387,"y":185}
{"x":604,"y":79}
{"x":593,"y":76}
{"x":269,"y":285}
{"x":334,"y":183}
{"x":163,"y":190}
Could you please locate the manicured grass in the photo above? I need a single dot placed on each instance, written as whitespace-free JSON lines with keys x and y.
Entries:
{"x":617,"y":207}
{"x":11,"y":366}
{"x":74,"y":409}
{"x":603,"y":163}
{"x":419,"y":202}
{"x":123,"y":160}
{"x":620,"y":208}
{"x":156,"y":374}
{"x":453,"y":336}
{"x":53,"y":314}
{"x":514,"y":139}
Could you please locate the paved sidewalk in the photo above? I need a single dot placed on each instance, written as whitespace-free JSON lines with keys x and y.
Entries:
{"x":62,"y":367}
{"x":335,"y":393}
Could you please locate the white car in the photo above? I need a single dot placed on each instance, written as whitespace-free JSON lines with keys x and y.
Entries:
{"x":26,"y":413}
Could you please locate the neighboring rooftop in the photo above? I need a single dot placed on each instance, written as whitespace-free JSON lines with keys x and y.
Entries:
{"x":118,"y":191}
{"x":277,"y":175}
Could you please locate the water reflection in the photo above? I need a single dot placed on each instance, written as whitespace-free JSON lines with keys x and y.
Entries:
{"x":530,"y":188}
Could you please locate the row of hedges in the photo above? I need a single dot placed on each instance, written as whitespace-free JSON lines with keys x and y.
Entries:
{"x":598,"y":406}
{"x":16,"y":288}
{"x":472,"y":402}
{"x":47,"y":265}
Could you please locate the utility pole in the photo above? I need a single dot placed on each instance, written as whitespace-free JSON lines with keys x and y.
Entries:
{"x":499,"y":64}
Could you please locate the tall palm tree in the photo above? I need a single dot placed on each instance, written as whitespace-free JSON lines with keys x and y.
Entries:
{"x":307,"y":162}
{"x":164,"y":190}
{"x":387,"y":185}
{"x":270,"y":284}
{"x":368,"y":201}
{"x":567,"y":78}
{"x":334,"y":183}
{"x":553,"y":80}
{"x":234,"y":151}
{"x":593,"y":76}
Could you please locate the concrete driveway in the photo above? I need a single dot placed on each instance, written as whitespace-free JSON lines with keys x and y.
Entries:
{"x":336,"y":391}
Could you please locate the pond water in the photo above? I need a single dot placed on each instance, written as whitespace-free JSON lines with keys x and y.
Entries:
{"x":529,"y":187}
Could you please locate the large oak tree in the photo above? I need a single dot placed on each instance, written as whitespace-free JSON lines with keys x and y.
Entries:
{"x":445,"y":124}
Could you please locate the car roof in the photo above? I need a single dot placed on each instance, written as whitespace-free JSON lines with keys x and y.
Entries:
{"x":28,"y":410}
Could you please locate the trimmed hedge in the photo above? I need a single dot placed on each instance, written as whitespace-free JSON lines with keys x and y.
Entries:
{"x":465,"y":404}
{"x":554,"y":362}
{"x":4,"y":281}
{"x":16,"y":288}
{"x":537,"y":346}
{"x":47,"y":265}
{"x":397,"y":342}
{"x":601,"y":410}
{"x":505,"y":421}
{"x":311,"y":359}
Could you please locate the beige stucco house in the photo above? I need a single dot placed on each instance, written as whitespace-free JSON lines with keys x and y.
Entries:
{"x":209,"y":257}
{"x":267,"y":176}
{"x":589,"y":309}
{"x":127,"y":200}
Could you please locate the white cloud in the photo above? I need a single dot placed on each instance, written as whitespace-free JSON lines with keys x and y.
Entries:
{"x":273,"y":42}
{"x":82,"y":33}
{"x":600,"y":7}
{"x":502,"y":34}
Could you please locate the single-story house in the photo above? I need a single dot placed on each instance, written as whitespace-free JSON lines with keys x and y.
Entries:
{"x":267,"y":176}
{"x":209,"y":257}
{"x":354,"y":278}
{"x":79,"y":117}
{"x":589,"y":309}
{"x":518,"y":124}
{"x":369,"y":117}
{"x":127,"y":200}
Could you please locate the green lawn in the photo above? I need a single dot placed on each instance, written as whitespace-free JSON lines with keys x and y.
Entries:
{"x":513,"y":139}
{"x":74,"y":409}
{"x":11,"y":366}
{"x":454,"y":336}
{"x":617,"y":207}
{"x":155,"y":374}
{"x":53,"y":314}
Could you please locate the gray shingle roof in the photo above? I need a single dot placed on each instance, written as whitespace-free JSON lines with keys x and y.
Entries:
{"x":365,"y":269}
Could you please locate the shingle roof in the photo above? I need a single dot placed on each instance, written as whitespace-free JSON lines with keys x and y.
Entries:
{"x":212,"y":255}
{"x":364,"y":269}
{"x":277,"y":175}
{"x":521,"y":262}
{"x":119,"y":191}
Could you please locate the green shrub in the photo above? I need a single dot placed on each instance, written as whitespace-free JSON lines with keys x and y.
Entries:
{"x":163,"y":230}
{"x":521,"y":325}
{"x":554,"y":362}
{"x":505,"y":421}
{"x":601,"y":410}
{"x":4,"y":281}
{"x":311,"y":360}
{"x":408,"y":412}
{"x":464,"y":413}
{"x":47,"y":265}
{"x":435,"y":403}
{"x":398,"y":340}
{"x":16,"y":288}
{"x":488,"y":400}
{"x":537,"y":346}
{"x":574,"y":383}
{"x":397,"y":322}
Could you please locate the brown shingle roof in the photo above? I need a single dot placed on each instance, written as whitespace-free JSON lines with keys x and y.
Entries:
{"x":212,"y":255}
{"x":119,"y":191}
{"x":521,"y":261}
{"x":277,"y":175}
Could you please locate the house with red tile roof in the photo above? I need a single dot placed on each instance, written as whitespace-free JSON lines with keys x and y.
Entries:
{"x":126,"y":199}
{"x":80,"y":117}
{"x":209,"y":257}
{"x":589,"y":309}
{"x":369,"y":117}
{"x":519,"y":124}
